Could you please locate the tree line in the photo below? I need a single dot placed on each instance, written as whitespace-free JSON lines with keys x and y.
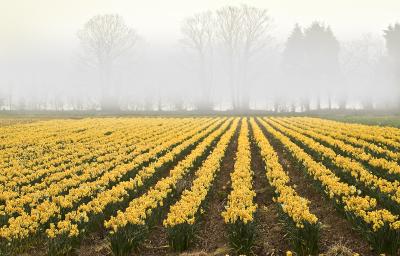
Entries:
{"x":310,"y":70}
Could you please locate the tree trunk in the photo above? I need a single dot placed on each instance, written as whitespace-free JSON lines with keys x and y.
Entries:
{"x":329,"y":102}
{"x":109,"y":101}
{"x":318,"y":102}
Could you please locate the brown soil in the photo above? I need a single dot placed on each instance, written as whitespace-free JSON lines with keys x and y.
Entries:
{"x":211,"y":233}
{"x":335,"y":228}
{"x":94,"y":246}
{"x":270,"y":237}
{"x":156,"y":242}
{"x":211,"y":238}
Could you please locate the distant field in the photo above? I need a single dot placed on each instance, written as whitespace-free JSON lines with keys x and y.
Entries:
{"x":217,"y":185}
{"x":381,"y":119}
{"x":393,"y":121}
{"x":11,"y":121}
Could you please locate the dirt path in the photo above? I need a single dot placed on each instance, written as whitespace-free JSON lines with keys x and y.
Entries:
{"x":270,"y":239}
{"x":156,"y":242}
{"x":211,"y":234}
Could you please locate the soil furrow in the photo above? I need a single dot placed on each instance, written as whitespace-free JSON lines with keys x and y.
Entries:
{"x":270,"y":239}
{"x":335,"y":230}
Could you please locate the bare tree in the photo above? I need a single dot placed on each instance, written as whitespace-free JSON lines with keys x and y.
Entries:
{"x":243,"y":32}
{"x":198,"y":34}
{"x":256,"y":25}
{"x":229,"y":22}
{"x":10,"y":94}
{"x":105,"y":39}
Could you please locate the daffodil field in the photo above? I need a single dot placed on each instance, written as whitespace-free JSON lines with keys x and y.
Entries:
{"x":64,"y":180}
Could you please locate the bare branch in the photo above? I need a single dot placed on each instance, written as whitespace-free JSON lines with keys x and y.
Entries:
{"x":198,"y":31}
{"x":105,"y":38}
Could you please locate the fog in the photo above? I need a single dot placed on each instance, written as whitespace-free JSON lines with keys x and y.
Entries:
{"x":181,"y":55}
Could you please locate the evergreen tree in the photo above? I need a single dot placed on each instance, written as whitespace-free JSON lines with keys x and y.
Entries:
{"x":322,"y":50}
{"x":392,"y":37}
{"x":293,"y":60}
{"x":293,"y":54}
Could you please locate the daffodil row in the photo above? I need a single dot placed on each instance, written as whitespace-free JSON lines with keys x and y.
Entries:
{"x":333,"y":139}
{"x":64,"y":177}
{"x":60,"y":142}
{"x":347,"y":165}
{"x":123,"y":189}
{"x":20,"y":196}
{"x":384,"y":136}
{"x":121,"y":142}
{"x":17,"y":137}
{"x":376,"y":218}
{"x":184,"y":213}
{"x":127,"y":228}
{"x":347,"y":135}
{"x":240,"y":209}
{"x":26,"y":159}
{"x":295,"y":206}
{"x":119,"y":151}
{"x":141,"y":208}
{"x":380,"y":226}
{"x":240,"y":201}
{"x":240,"y":204}
{"x":302,"y":225}
{"x":77,"y":157}
{"x":80,"y":155}
{"x":28,"y":223}
{"x":98,"y":171}
{"x":333,"y":186}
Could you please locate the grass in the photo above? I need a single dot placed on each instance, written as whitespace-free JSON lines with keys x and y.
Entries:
{"x":381,"y":118}
{"x":389,"y":120}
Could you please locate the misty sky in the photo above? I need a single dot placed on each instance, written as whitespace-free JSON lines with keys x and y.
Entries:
{"x":36,"y":23}
{"x":39,"y":44}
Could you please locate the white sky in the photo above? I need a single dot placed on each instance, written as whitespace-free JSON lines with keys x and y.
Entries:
{"x":32,"y":23}
{"x":38,"y":41}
